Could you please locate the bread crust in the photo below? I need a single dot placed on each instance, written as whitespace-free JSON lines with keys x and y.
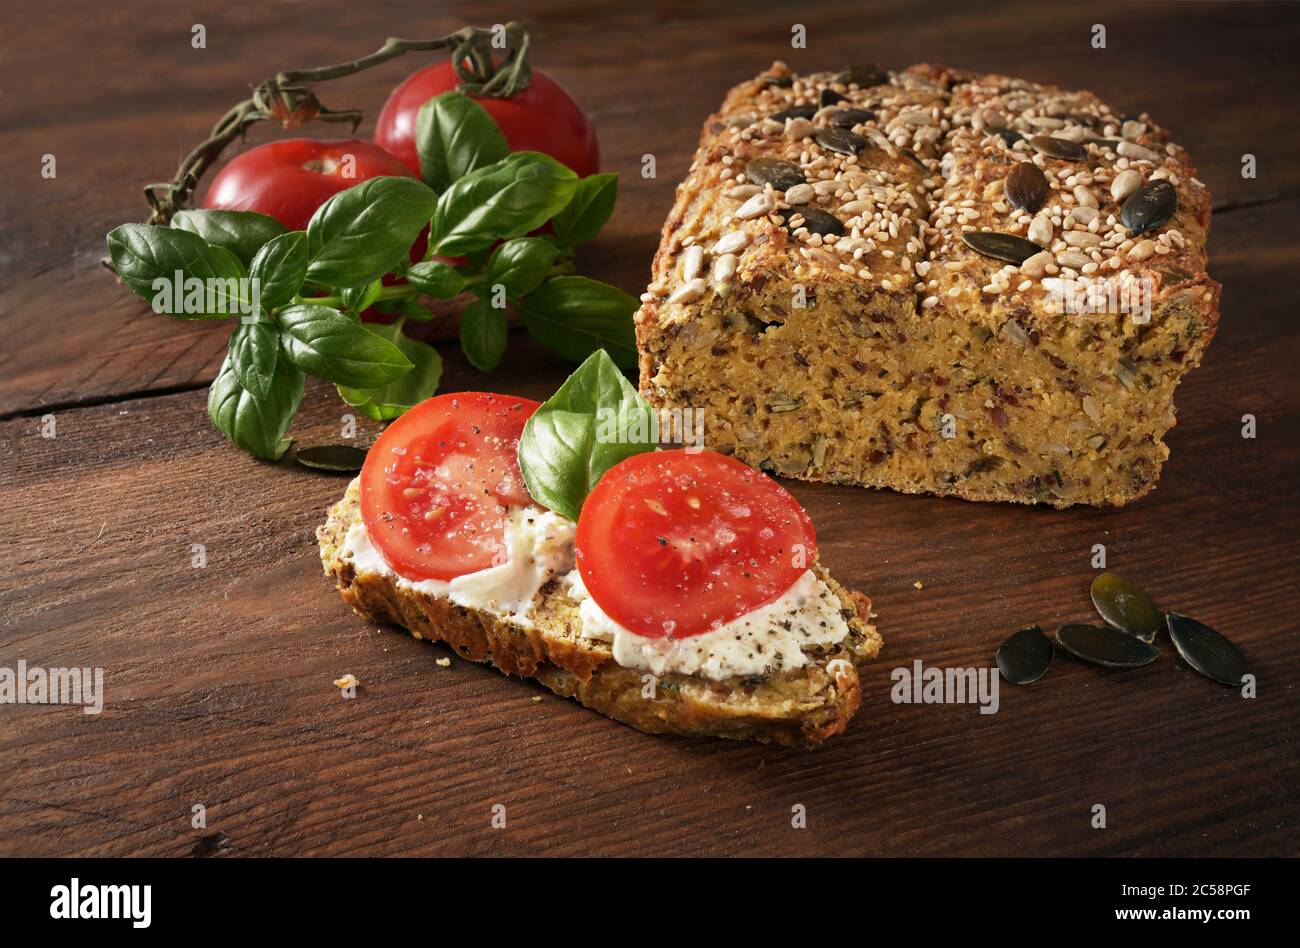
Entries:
{"x":799,"y":708}
{"x":893,"y":354}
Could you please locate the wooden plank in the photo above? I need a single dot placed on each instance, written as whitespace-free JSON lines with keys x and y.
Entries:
{"x":219,"y":679}
{"x":140,"y":95}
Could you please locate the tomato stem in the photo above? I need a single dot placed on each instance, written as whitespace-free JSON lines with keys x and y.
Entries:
{"x":287,"y":97}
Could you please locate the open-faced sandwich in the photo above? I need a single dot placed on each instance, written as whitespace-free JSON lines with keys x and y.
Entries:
{"x":675,"y":590}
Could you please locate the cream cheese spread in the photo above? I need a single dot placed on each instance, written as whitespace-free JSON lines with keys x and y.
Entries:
{"x":539,"y":547}
{"x":770,"y":638}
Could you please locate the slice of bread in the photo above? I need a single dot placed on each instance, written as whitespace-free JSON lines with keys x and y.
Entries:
{"x":799,"y":708}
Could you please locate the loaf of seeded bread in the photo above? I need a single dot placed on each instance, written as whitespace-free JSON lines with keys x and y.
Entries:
{"x":826,"y":295}
{"x":797,"y":708}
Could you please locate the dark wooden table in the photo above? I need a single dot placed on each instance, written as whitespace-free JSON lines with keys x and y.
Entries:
{"x":219,"y":679}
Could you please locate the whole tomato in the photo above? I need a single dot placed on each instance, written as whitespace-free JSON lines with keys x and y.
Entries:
{"x":541,"y":118}
{"x":288,"y":180}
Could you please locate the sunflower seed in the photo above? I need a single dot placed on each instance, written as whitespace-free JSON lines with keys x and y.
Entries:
{"x":1206,"y":650}
{"x":692,"y":261}
{"x":800,"y":194}
{"x":1084,"y":197}
{"x":815,"y":220}
{"x":798,"y":111}
{"x":840,"y":140}
{"x":742,"y":191}
{"x":780,"y":174}
{"x":1026,"y":186}
{"x":1006,"y":247}
{"x":1125,"y":606}
{"x":1036,"y":265}
{"x":798,"y":129}
{"x":1025,"y":656}
{"x":994,"y":120}
{"x":731,"y":242}
{"x":756,"y":206}
{"x":830,"y":97}
{"x":1010,"y":136}
{"x":847,"y":118}
{"x":1041,"y":230}
{"x":341,"y":458}
{"x":1082,"y":238}
{"x":1149,"y":207}
{"x":1137,"y":152}
{"x":1105,"y":645}
{"x":688,"y":292}
{"x":1058,"y":148}
{"x":724,"y":268}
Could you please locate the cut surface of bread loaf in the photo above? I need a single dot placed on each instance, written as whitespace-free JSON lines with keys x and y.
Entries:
{"x":817,"y":297}
{"x":796,"y":707}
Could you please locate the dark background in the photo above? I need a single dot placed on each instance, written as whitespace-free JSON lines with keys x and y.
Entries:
{"x":219,"y":680}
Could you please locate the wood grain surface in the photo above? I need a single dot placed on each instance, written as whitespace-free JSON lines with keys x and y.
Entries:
{"x":219,"y":678}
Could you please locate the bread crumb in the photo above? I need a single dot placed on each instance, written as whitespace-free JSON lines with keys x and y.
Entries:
{"x":347,"y":681}
{"x":444,"y":662}
{"x":918,"y":584}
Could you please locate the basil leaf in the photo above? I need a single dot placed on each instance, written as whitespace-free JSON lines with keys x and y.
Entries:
{"x":594,"y":421}
{"x":280,"y":268}
{"x":576,"y":316}
{"x":435,"y":278}
{"x":254,"y":352}
{"x":584,"y":216}
{"x":256,"y":424}
{"x":504,"y":200}
{"x":520,"y":265}
{"x":324,"y":342}
{"x":243,"y":233}
{"x":454,"y":135}
{"x":389,"y":401}
{"x":149,"y":260}
{"x":360,"y":234}
{"x":359,"y":298}
{"x":483,"y":335}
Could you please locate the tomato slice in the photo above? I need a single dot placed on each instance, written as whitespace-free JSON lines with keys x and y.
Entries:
{"x":675,"y":543}
{"x":438,"y":483}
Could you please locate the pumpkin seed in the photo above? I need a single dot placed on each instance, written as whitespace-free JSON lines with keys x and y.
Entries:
{"x":840,"y":140}
{"x":864,"y":76}
{"x":1125,"y":606}
{"x":1025,"y":656}
{"x":1058,"y":148}
{"x":1006,"y":247}
{"x":798,"y":111}
{"x":1105,"y":645}
{"x":1149,"y":207}
{"x":781,"y":175}
{"x":1010,"y":136}
{"x":847,"y":118}
{"x":1027,"y":186}
{"x":1206,"y":650}
{"x":816,"y":220}
{"x":830,"y":97}
{"x":340,"y":458}
{"x":780,"y":82}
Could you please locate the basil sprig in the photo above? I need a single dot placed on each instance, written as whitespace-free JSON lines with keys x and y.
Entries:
{"x":595,"y":420}
{"x":298,"y":295}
